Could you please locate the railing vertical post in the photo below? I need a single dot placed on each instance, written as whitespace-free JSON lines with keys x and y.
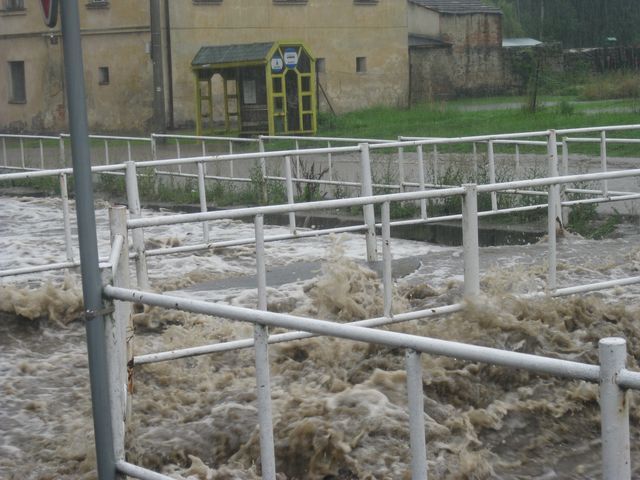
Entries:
{"x":63,"y":160}
{"x":179,"y":154}
{"x":154,"y":146}
{"x":66,"y":219}
{"x":492,"y":174}
{"x":202,"y":194}
{"x":423,"y":201}
{"x":4,"y":151}
{"x":614,"y":411}
{"x":204,"y":154}
{"x":417,"y":435}
{"x":41,"y":155}
{"x":289,"y":185}
{"x":552,"y":224}
{"x":387,"y":281}
{"x":263,"y":171}
{"x":129,"y":158}
{"x":231,"y":161}
{"x":565,"y":171}
{"x":367,"y":210}
{"x":401,"y":168}
{"x":552,"y":151}
{"x":517,"y":160}
{"x":298,"y":171}
{"x":133,"y":199}
{"x":475,"y":162}
{"x":22,"y":161}
{"x":263,"y":381}
{"x":435,"y":164}
{"x":330,"y":160}
{"x":106,"y":152}
{"x":470,"y":241}
{"x":603,"y":161}
{"x":119,"y":332}
{"x":565,"y":156}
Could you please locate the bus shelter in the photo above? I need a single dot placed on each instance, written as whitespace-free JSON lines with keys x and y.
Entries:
{"x":267,"y":88}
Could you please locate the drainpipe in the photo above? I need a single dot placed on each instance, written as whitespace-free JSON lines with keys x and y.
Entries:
{"x":158,"y":117}
{"x":168,"y":65}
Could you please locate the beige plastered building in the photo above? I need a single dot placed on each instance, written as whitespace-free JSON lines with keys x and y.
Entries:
{"x":362,"y":49}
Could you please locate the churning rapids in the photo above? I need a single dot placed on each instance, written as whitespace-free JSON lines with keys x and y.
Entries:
{"x":340,"y":407}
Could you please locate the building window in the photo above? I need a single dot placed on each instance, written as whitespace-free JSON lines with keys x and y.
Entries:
{"x":320,"y":65}
{"x":97,"y":4}
{"x":365,"y":2}
{"x":207,"y":2}
{"x":361,"y":64}
{"x":103,"y":75}
{"x":290,"y":2}
{"x":12,"y":5}
{"x":18,"y":90}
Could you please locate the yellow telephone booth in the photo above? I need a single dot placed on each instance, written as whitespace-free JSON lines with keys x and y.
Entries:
{"x":267,"y":88}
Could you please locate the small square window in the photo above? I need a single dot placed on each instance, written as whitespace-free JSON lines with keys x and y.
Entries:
{"x":361,"y":64}
{"x":320,"y":65}
{"x":97,"y":4}
{"x":18,"y":89}
{"x":103,"y":75}
{"x":13,"y":5}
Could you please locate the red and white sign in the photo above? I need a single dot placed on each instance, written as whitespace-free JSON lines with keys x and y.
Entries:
{"x":50,"y":12}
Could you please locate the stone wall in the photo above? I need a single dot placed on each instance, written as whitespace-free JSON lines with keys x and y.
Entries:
{"x":447,"y":72}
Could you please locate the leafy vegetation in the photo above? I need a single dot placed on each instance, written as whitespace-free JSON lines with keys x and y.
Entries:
{"x":575,"y":23}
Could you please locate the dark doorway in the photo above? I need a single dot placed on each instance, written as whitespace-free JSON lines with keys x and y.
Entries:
{"x":293,"y":104}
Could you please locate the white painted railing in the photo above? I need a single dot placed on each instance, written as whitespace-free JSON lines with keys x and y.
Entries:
{"x":611,"y":374}
{"x":365,"y":182}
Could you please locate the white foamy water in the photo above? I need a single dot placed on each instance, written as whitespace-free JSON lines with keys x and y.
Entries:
{"x":340,"y":409}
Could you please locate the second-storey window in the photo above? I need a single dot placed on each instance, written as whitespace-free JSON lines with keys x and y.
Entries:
{"x":10,"y":5}
{"x":17,"y":86}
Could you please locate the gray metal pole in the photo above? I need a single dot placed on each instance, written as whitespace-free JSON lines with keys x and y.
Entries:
{"x":91,"y":281}
{"x":470,"y":242}
{"x":614,"y":411}
{"x":417,"y":435}
{"x":158,"y":118}
{"x":367,"y":210}
{"x":263,"y":378}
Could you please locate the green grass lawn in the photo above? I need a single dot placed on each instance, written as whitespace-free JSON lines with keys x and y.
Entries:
{"x":452,"y":120}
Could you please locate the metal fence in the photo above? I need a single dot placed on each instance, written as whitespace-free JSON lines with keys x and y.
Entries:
{"x":611,"y":374}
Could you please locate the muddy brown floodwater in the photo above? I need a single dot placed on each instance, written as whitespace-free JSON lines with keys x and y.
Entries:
{"x":340,"y":407}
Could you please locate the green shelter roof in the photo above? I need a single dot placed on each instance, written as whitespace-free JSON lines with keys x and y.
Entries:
{"x":219,"y":54}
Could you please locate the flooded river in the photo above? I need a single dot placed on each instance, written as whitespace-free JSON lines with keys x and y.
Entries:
{"x":340,"y":407}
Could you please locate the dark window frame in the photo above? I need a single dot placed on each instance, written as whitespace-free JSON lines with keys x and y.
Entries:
{"x":13,"y":6}
{"x":361,"y":64}
{"x":290,"y":2}
{"x":103,"y":75}
{"x":17,"y":82}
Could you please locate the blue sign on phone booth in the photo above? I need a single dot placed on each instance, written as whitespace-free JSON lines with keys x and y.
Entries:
{"x":277,"y":65}
{"x":291,"y":57}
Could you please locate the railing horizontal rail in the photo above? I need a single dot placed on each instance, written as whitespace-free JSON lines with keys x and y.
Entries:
{"x":290,"y":336}
{"x":139,"y":472}
{"x":359,"y":201}
{"x":251,"y":240}
{"x":472,"y":353}
{"x":598,"y":140}
{"x":324,"y":139}
{"x":205,"y":137}
{"x":35,"y":137}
